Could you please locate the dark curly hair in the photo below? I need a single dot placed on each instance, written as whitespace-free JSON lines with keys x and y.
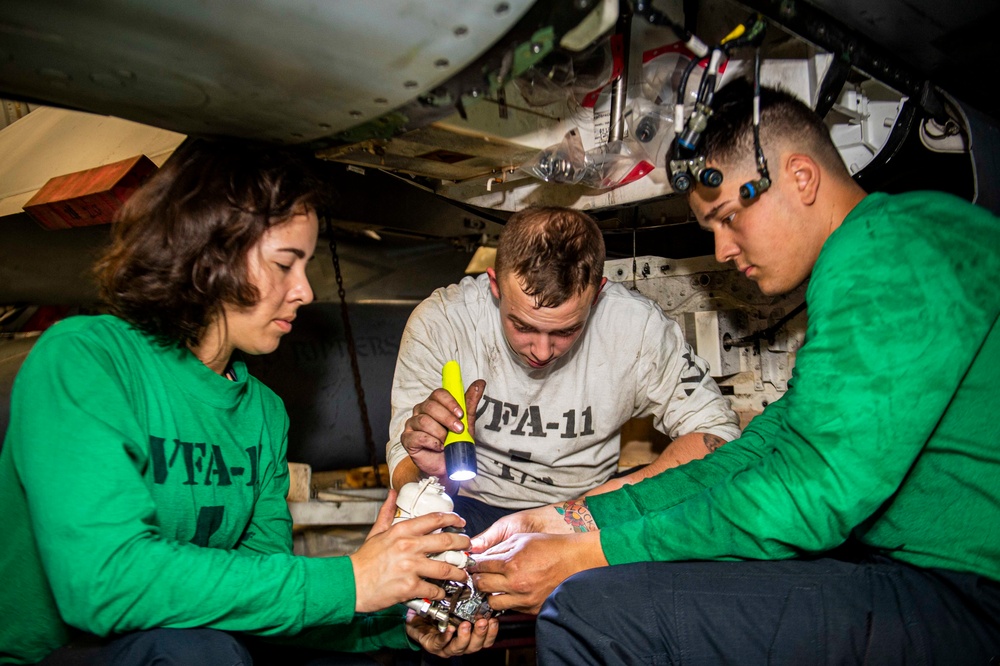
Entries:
{"x":555,"y":253}
{"x":180,"y":243}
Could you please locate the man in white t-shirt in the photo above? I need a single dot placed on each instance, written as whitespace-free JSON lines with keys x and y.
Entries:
{"x":561,"y":360}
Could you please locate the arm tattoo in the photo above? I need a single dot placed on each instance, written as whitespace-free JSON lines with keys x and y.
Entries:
{"x":577,"y":515}
{"x":712,"y":442}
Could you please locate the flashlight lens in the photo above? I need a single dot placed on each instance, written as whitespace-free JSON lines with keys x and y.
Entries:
{"x":460,"y":460}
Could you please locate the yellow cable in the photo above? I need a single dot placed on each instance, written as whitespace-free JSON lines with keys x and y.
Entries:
{"x":737,"y":32}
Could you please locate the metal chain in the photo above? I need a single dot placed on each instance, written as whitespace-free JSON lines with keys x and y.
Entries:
{"x":353,"y":352}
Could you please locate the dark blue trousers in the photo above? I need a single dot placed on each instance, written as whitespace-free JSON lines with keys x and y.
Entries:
{"x":823,"y":611}
{"x":478,"y":515}
{"x":193,"y":647}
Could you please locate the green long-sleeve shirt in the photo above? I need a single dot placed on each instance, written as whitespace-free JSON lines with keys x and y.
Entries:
{"x":140,"y":489}
{"x":889,"y":431}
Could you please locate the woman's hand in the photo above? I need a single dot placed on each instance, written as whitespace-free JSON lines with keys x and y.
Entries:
{"x":392,"y":564}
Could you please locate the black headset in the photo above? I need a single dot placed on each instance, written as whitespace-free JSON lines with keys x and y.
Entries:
{"x":685,"y":164}
{"x":684,"y":172}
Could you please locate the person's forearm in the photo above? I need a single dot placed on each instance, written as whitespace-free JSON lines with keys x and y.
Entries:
{"x":406,"y":472}
{"x":685,"y":448}
{"x":576,"y":515}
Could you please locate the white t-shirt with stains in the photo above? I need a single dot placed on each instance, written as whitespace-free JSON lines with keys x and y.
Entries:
{"x":551,"y":434}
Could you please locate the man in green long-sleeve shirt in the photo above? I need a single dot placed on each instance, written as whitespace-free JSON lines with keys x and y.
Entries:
{"x":856,"y":519}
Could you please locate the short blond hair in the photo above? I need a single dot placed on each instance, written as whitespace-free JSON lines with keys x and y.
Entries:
{"x":554,"y":253}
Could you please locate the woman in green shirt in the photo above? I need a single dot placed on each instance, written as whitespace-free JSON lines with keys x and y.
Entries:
{"x":143,"y":475}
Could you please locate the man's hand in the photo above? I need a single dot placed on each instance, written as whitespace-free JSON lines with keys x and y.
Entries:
{"x":559,"y":518}
{"x":527,"y":567}
{"x":392,"y":564}
{"x":424,"y":432}
{"x":452,"y":642}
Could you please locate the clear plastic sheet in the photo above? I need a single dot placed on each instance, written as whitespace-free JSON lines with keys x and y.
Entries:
{"x":650,"y":115}
{"x":662,"y":69}
{"x":564,"y":162}
{"x":561,"y":76}
{"x":604,"y":167}
{"x":652,"y":127}
{"x":614,"y":164}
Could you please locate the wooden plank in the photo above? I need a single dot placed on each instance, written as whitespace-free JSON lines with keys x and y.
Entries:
{"x":364,"y":477}
{"x":88,"y":197}
{"x":299,"y":482}
{"x":315,"y":512}
{"x":351,"y":494}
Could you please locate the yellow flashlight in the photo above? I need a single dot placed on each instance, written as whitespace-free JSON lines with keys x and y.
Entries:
{"x":459,"y":447}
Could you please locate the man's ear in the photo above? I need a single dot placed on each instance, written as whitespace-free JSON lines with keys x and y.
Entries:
{"x":494,"y":285}
{"x":805,"y":173}
{"x":600,"y":288}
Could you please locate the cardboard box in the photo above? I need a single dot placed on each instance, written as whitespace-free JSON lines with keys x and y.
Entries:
{"x":88,"y":197}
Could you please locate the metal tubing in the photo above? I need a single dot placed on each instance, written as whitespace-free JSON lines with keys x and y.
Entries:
{"x":619,"y":91}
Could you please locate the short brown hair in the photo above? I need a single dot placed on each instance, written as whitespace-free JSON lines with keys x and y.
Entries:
{"x":180,"y":243}
{"x":785,"y":121}
{"x":555,"y":253}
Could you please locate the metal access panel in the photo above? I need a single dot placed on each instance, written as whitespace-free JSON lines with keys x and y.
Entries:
{"x":279,"y":71}
{"x":719,"y":310}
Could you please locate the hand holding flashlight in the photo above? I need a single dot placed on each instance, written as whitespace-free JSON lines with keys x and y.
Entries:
{"x":424,"y":433}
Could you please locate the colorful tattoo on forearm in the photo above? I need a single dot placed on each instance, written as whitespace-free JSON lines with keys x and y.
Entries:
{"x":577,"y":515}
{"x":712,"y":442}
